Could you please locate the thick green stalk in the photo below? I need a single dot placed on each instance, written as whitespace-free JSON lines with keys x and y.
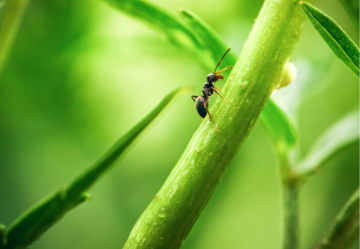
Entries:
{"x":8,"y":27}
{"x":170,"y":216}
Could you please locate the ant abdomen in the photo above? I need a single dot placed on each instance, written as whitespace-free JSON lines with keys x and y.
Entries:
{"x":200,"y":106}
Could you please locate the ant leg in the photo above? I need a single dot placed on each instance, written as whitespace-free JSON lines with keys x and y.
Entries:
{"x":218,"y":94}
{"x":217,"y":88}
{"x":193,"y":96}
{"x":212,"y":120}
{"x":207,"y":110}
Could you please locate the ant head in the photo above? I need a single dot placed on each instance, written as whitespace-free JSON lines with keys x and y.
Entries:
{"x":211,"y":77}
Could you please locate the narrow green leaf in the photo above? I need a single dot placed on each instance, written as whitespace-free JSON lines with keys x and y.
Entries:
{"x":337,"y":138}
{"x":2,"y":235}
{"x":336,"y":38}
{"x":208,"y":38}
{"x":9,"y":25}
{"x":278,"y":126}
{"x":2,"y":3}
{"x":158,"y":18}
{"x":275,"y":121}
{"x":345,"y":228}
{"x":33,"y":223}
{"x":85,"y":180}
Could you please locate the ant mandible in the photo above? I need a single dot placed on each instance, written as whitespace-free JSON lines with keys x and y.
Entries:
{"x":202,"y":102}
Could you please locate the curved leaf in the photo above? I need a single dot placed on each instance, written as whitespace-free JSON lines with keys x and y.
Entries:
{"x":157,"y":17}
{"x":336,"y":38}
{"x":278,"y":126}
{"x":275,"y":121}
{"x":345,"y":228}
{"x":208,"y":38}
{"x":337,"y":138}
{"x":10,"y":22}
{"x":33,"y":223}
{"x":2,"y":235}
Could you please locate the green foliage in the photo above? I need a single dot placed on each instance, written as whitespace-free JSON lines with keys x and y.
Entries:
{"x":33,"y":223}
{"x":2,"y":234}
{"x":211,"y":42}
{"x":345,"y":228}
{"x":8,"y":27}
{"x":158,"y":18}
{"x":37,"y":220}
{"x":336,"y":38}
{"x":278,"y":126}
{"x":177,"y":206}
{"x":333,"y":141}
{"x":275,"y":121}
{"x":209,"y":153}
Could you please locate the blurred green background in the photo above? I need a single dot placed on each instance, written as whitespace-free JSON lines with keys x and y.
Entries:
{"x":81,"y":74}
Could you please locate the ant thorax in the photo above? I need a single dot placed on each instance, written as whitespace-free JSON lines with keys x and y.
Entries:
{"x":208,"y":88}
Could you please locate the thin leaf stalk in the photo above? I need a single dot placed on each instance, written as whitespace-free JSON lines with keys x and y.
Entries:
{"x":291,"y":215}
{"x":170,"y":216}
{"x":290,"y":186}
{"x":11,"y":20}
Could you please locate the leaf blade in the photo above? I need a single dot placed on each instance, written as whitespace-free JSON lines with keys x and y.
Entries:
{"x":158,"y":18}
{"x":335,"y":37}
{"x":208,"y":38}
{"x":9,"y":26}
{"x":274,"y":120}
{"x":345,"y":228}
{"x":338,"y":137}
{"x":34,"y":222}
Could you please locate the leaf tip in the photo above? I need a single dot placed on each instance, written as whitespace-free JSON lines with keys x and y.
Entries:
{"x":184,"y":13}
{"x":186,"y":88}
{"x":86,"y":197}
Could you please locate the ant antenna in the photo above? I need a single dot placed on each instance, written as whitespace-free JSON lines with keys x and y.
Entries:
{"x":221,"y":59}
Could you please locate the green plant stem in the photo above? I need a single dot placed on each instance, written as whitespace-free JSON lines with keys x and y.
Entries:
{"x":290,"y":204}
{"x":13,"y":13}
{"x":345,"y":228}
{"x":291,"y":216}
{"x":170,"y":216}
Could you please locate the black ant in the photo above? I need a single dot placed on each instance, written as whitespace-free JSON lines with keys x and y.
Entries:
{"x":202,"y":102}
